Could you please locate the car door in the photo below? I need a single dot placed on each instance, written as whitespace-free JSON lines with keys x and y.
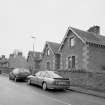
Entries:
{"x":48,"y":79}
{"x":41,"y":78}
{"x":34,"y":79}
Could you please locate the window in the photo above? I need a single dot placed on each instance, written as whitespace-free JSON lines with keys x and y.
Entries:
{"x":42,"y":74}
{"x":71,"y":42}
{"x":71,"y":62}
{"x":38,"y":74}
{"x":48,"y":52}
{"x":47,"y":75}
{"x":48,"y":65}
{"x":57,"y":61}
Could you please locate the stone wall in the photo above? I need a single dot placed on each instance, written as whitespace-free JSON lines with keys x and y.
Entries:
{"x":88,"y":80}
{"x":96,"y":58}
{"x":6,"y":70}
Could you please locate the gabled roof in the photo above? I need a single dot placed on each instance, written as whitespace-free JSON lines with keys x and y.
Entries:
{"x":90,"y":36}
{"x":85,"y":36}
{"x":54,"y":46}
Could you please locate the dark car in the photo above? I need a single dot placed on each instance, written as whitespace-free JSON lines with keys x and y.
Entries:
{"x":49,"y":80}
{"x":19,"y":74}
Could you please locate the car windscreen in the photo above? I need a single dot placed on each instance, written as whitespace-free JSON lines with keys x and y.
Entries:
{"x":24,"y":70}
{"x":17,"y":71}
{"x":37,"y":74}
{"x":54,"y":75}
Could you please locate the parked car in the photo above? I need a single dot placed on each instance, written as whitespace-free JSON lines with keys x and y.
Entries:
{"x":19,"y":73}
{"x":49,"y":80}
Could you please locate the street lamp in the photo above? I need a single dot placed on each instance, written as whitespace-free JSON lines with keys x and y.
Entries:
{"x":33,"y":37}
{"x":33,"y":64}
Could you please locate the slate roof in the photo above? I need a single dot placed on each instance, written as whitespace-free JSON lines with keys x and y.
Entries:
{"x":83,"y":35}
{"x":89,"y":36}
{"x":54,"y":46}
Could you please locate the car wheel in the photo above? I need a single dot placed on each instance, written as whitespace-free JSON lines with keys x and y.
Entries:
{"x":29,"y":82}
{"x":44,"y":86}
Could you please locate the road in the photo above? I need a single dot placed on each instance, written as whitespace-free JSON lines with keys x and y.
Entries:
{"x":20,"y":93}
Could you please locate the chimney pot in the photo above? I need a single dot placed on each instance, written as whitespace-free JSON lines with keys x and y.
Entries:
{"x":94,"y":29}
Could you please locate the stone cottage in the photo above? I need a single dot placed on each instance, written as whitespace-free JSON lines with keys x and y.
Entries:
{"x":51,"y":57}
{"x":78,"y":50}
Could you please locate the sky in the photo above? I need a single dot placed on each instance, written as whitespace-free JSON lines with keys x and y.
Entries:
{"x":46,"y":20}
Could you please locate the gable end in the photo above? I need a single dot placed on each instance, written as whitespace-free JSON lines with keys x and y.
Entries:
{"x":67,"y":34}
{"x":44,"y":50}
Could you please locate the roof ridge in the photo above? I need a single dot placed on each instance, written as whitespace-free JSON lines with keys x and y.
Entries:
{"x":86,"y":31}
{"x":54,"y":46}
{"x":89,"y":36}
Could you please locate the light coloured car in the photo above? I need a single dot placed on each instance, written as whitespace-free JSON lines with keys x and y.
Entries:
{"x":19,"y":73}
{"x":49,"y":80}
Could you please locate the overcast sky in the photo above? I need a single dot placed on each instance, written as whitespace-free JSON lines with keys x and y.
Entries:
{"x":47,"y":20}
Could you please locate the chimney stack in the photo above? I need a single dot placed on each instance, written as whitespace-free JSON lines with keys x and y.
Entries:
{"x":95,"y":29}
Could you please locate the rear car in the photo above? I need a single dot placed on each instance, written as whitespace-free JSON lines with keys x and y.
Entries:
{"x":19,"y":74}
{"x":49,"y":80}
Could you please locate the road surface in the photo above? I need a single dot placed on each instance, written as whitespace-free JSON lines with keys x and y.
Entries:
{"x":20,"y":93}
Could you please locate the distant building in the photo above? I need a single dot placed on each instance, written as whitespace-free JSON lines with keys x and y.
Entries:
{"x":17,"y":60}
{"x":78,"y":50}
{"x":4,"y":61}
{"x":34,"y":61}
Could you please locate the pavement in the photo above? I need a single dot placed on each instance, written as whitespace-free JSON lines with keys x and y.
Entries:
{"x":87,"y":91}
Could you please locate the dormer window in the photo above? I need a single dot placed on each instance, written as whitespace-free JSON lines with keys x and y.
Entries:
{"x":71,"y":41}
{"x":48,"y":52}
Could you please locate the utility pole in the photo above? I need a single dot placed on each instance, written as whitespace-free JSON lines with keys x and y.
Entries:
{"x":33,"y":37}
